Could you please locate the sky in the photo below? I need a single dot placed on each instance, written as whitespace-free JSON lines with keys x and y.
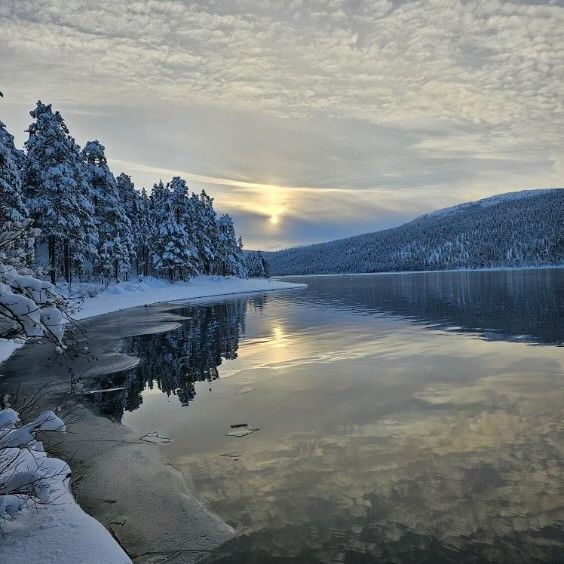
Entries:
{"x":307,"y":120}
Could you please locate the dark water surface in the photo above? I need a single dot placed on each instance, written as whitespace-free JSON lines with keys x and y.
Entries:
{"x":403,"y":417}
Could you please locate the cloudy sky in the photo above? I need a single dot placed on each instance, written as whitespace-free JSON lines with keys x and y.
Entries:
{"x":307,"y":120}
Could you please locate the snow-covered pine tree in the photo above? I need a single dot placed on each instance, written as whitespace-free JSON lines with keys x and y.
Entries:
{"x":115,"y":240}
{"x":57,"y":193}
{"x":256,"y":265}
{"x":12,"y":207}
{"x":171,"y":247}
{"x":146,"y":229}
{"x":206,"y":235}
{"x":229,"y":260}
{"x":136,"y":206}
{"x":182,"y":210}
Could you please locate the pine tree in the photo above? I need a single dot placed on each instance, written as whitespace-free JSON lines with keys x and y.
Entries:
{"x":182,"y":210}
{"x":172,"y":249}
{"x":256,"y":265}
{"x":229,"y":260}
{"x":205,"y":233}
{"x":12,"y":207}
{"x":136,"y":206}
{"x":146,"y":228}
{"x":58,"y":194}
{"x":115,"y":241}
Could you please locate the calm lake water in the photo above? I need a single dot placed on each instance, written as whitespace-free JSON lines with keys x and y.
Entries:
{"x":403,"y":417}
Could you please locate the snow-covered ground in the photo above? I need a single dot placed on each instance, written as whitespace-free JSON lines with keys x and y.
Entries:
{"x":8,"y":347}
{"x":39,"y":519}
{"x":153,"y":290}
{"x":60,"y":531}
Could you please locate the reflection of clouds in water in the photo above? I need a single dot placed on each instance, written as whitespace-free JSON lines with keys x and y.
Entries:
{"x":378,"y":436}
{"x":476,"y":469}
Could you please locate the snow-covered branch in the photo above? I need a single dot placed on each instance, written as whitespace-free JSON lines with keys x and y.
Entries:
{"x":29,"y":307}
{"x":27,"y":475}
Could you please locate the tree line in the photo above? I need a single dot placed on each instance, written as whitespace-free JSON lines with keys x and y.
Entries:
{"x":92,"y":225}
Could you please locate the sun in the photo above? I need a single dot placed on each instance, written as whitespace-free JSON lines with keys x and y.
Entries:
{"x":274,"y":219}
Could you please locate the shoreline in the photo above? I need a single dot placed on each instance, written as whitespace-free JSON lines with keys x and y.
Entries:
{"x":151,"y":291}
{"x":115,"y":469}
{"x":490,"y":269}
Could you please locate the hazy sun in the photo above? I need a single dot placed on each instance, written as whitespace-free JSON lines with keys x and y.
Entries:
{"x":274,"y":219}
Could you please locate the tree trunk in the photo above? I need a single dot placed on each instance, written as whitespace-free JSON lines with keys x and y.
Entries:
{"x":66,"y":261}
{"x":70,"y":265}
{"x":146,"y":261}
{"x":53,"y":259}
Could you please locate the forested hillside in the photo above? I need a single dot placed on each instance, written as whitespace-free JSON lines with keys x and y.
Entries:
{"x":516,"y":229}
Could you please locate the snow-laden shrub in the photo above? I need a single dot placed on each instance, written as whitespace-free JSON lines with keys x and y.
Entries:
{"x":29,"y":307}
{"x":27,"y":475}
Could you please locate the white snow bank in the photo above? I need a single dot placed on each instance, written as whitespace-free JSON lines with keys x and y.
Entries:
{"x":7,"y":347}
{"x":153,"y":290}
{"x":39,"y":518}
{"x":60,"y":533}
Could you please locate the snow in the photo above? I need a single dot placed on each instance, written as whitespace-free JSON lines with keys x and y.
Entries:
{"x":150,"y":290}
{"x":509,"y":230}
{"x":126,"y":295}
{"x":8,"y":347}
{"x":39,"y":518}
{"x":59,"y":532}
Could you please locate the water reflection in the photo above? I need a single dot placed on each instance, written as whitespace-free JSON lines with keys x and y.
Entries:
{"x":380,"y":440}
{"x":500,"y":305}
{"x":522,"y":306}
{"x":173,"y":361}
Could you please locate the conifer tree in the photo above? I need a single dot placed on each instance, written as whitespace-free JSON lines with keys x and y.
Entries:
{"x":115,"y":241}
{"x":182,"y":211}
{"x":204,"y":221}
{"x":136,"y":206}
{"x":230,"y":260}
{"x":146,"y":228}
{"x":256,"y":265}
{"x":12,"y":207}
{"x":58,"y":194}
{"x":172,"y":253}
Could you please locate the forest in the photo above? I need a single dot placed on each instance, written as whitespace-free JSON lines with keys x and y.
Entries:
{"x":517,"y":229}
{"x":70,"y":214}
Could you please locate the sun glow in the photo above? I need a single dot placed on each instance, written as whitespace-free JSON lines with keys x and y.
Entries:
{"x":274,"y":219}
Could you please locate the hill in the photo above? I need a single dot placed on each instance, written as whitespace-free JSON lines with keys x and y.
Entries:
{"x":516,"y":229}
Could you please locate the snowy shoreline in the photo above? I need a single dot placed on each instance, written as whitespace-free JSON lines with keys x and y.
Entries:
{"x":126,"y":295}
{"x":63,"y":532}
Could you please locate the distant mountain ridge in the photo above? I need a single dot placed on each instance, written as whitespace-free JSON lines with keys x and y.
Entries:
{"x":523,"y":228}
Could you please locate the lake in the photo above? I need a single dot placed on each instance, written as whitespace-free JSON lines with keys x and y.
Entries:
{"x":401,"y":417}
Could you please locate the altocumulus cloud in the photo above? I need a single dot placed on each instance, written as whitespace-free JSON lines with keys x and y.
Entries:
{"x":307,"y":119}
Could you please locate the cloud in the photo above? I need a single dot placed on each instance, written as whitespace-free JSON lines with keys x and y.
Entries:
{"x":440,"y":98}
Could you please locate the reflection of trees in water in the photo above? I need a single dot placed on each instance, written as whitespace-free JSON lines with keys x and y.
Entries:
{"x":174,"y":361}
{"x":502,"y":305}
